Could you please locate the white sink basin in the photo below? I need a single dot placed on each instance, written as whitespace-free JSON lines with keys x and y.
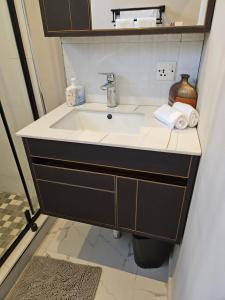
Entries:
{"x":111,"y":122}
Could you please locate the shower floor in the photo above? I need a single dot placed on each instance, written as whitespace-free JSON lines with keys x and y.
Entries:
{"x":12,"y":219}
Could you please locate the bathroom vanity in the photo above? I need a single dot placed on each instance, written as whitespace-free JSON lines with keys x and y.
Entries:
{"x":90,"y":164}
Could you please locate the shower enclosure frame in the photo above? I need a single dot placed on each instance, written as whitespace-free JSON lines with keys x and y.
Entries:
{"x":30,"y":219}
{"x":22,"y":56}
{"x":7,"y":130}
{"x":25,"y":69}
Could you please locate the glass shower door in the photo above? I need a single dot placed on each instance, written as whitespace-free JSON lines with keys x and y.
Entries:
{"x":13,"y":198}
{"x":14,"y":97}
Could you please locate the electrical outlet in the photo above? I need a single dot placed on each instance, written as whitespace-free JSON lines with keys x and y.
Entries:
{"x":166,"y":71}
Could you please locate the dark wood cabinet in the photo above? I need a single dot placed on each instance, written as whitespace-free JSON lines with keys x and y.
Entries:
{"x":163,"y":164}
{"x":65,"y":16}
{"x":77,"y":203}
{"x":87,"y":179}
{"x":143,"y":192}
{"x":126,"y":202}
{"x":55,"y":17}
{"x":76,"y":194}
{"x":151,"y":208}
{"x":80,"y":14}
{"x":159,"y":207}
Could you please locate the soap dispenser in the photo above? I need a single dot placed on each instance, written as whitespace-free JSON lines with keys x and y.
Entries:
{"x":75,"y":94}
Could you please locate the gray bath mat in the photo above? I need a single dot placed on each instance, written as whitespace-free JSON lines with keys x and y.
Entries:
{"x":50,"y":279}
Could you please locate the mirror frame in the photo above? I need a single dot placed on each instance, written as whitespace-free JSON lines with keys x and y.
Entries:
{"x":134,"y":31}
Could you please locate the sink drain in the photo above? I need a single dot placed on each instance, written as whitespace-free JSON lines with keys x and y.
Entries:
{"x":109,"y":116}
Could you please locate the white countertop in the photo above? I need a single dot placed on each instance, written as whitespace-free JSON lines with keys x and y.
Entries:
{"x":153,"y":135}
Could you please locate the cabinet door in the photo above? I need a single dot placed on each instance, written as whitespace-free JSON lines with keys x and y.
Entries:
{"x":159,"y":208}
{"x":80,"y":14}
{"x":56,"y":15}
{"x":126,"y":202}
{"x":77,"y":203}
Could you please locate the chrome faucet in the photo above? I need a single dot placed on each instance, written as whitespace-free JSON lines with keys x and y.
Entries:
{"x":110,"y":87}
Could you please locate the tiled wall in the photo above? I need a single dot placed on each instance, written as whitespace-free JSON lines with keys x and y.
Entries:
{"x":134,"y":59}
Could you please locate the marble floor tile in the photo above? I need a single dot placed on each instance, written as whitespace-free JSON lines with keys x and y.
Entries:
{"x":147,"y":295}
{"x":115,"y":284}
{"x":121,"y":278}
{"x":149,"y":289}
{"x":160,"y":274}
{"x":155,"y":287}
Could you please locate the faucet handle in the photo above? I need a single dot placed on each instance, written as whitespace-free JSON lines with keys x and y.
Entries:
{"x":110,"y":76}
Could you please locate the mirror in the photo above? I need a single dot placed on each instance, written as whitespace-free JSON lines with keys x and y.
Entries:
{"x":125,"y":17}
{"x":138,"y":14}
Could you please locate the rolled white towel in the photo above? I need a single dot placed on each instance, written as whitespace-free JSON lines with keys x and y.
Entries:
{"x":190,"y":113}
{"x":139,"y":14}
{"x":171,"y":117}
{"x":145,"y":22}
{"x":124,"y":23}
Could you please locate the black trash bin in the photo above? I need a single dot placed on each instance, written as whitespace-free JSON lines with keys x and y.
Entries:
{"x":149,"y":253}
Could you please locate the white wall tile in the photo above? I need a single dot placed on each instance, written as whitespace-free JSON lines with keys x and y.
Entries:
{"x":190,"y":37}
{"x":189,"y":59}
{"x":134,"y":59}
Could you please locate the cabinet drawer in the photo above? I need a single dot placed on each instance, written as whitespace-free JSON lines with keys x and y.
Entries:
{"x":159,"y":208}
{"x":121,"y":158}
{"x":77,"y":203}
{"x":75,"y":177}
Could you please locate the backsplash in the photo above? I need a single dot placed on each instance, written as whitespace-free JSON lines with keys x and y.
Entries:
{"x":134,"y":59}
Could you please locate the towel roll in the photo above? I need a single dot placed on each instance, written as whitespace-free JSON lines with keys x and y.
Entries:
{"x":124,"y":23}
{"x":190,"y":113}
{"x":145,"y":22}
{"x":139,"y":14}
{"x":171,"y":117}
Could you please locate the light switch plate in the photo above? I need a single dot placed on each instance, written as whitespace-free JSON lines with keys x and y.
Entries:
{"x":166,"y":71}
